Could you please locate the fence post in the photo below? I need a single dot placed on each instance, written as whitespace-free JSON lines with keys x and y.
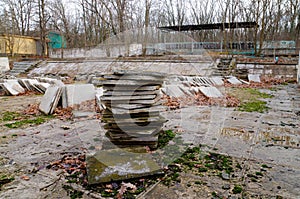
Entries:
{"x":298,"y":71}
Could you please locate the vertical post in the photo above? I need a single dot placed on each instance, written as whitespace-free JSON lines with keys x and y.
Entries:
{"x":298,"y":70}
{"x":222,"y":39}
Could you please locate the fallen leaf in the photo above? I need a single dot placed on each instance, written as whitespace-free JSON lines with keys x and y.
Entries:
{"x":65,"y":127}
{"x":25,"y":177}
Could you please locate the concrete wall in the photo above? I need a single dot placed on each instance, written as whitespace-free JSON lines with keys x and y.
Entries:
{"x":274,"y":70}
{"x":101,"y":51}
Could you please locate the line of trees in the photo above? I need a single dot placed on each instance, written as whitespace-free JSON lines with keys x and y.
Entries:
{"x":87,"y":23}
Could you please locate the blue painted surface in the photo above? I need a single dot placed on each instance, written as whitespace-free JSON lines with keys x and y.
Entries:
{"x":57,"y":41}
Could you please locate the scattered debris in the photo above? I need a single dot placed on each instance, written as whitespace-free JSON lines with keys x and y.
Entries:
{"x":24,"y":177}
{"x":32,"y":109}
{"x":172,"y":102}
{"x":73,"y":167}
{"x":63,"y":113}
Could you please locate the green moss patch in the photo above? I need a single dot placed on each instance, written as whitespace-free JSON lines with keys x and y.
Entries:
{"x":21,"y":123}
{"x":165,"y":137}
{"x":251,"y":99}
{"x":4,"y":179}
{"x":10,"y":116}
{"x":254,"y":106}
{"x":237,"y":189}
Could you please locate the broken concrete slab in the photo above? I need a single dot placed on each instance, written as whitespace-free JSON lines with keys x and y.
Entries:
{"x":4,"y":64}
{"x":118,"y":164}
{"x":78,"y":93}
{"x":254,"y":78}
{"x":50,"y":99}
{"x":211,"y":92}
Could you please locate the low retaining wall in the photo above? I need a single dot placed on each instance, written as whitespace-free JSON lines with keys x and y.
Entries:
{"x":274,"y":70}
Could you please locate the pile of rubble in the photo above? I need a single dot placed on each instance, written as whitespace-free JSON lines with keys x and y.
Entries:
{"x":204,"y":91}
{"x":208,"y":86}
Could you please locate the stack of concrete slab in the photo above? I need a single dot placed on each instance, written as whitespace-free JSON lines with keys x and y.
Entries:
{"x":133,"y":106}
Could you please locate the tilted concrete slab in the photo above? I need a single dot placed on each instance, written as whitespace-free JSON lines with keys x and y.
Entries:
{"x":8,"y":89}
{"x":211,"y":92}
{"x":76,"y":94}
{"x":12,"y":87}
{"x":234,"y":80}
{"x":50,"y":99}
{"x":173,"y":91}
{"x":254,"y":78}
{"x":218,"y":81}
{"x":42,"y":86}
{"x":4,"y":64}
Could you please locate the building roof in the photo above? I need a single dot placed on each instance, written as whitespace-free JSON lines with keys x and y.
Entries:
{"x":19,"y":36}
{"x":221,"y":26}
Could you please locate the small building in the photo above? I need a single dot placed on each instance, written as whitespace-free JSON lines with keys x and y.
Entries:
{"x":57,"y":41}
{"x":11,"y":45}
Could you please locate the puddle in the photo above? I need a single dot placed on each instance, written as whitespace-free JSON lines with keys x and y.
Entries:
{"x":265,"y":138}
